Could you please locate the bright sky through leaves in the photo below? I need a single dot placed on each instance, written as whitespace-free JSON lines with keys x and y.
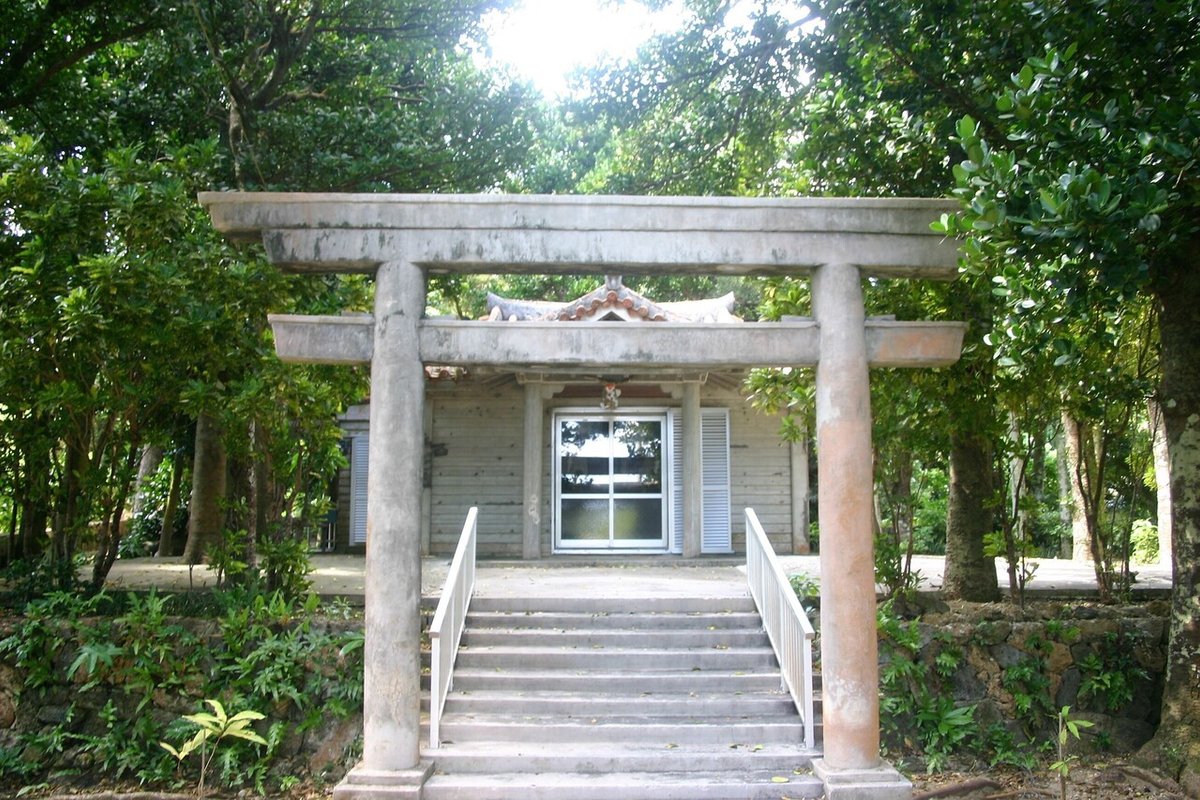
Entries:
{"x":543,"y":41}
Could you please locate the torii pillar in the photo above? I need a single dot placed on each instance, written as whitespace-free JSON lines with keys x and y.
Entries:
{"x":845,"y":510}
{"x":401,"y":238}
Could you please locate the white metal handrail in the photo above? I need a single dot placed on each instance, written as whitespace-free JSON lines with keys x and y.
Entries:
{"x":445,"y":631}
{"x":787,"y":625}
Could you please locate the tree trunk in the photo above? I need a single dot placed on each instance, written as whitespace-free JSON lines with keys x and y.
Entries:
{"x":34,"y":500}
{"x":1086,"y":455}
{"x":1035,"y":475}
{"x":206,"y":518}
{"x":899,"y":495}
{"x":260,"y":493}
{"x":1075,"y":438}
{"x":122,"y":476}
{"x":1066,"y":542}
{"x":168,"y":543}
{"x":1162,"y":478}
{"x":1021,"y":466}
{"x":1014,"y":522}
{"x":1177,"y":287}
{"x":72,"y":506}
{"x":970,"y":573}
{"x":152,"y":456}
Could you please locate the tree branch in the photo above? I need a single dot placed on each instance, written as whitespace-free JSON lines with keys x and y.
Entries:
{"x":28,"y":94}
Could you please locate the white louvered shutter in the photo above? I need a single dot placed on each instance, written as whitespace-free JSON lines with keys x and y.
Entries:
{"x":714,"y":439}
{"x":675,"y":462}
{"x":358,"y":489}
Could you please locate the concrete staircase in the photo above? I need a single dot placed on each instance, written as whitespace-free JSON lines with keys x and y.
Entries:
{"x":627,"y":699}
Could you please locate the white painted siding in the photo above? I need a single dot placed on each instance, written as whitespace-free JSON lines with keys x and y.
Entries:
{"x":478,"y":440}
{"x":760,"y":476}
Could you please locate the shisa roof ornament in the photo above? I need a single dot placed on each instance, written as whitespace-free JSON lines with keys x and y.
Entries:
{"x":613,"y":301}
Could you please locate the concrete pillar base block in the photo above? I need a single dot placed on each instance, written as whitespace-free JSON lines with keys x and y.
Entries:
{"x":380,"y":784}
{"x":879,"y":783}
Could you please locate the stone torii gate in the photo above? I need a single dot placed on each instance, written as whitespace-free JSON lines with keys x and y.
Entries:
{"x":403,"y":238}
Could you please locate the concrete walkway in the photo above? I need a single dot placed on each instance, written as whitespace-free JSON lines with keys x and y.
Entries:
{"x":342,"y":576}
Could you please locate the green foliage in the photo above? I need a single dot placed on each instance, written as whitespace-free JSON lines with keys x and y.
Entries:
{"x":702,"y":111}
{"x":1061,"y":631}
{"x":805,"y":586}
{"x":1144,"y":541}
{"x":109,"y":263}
{"x":915,"y":709}
{"x":124,"y":314}
{"x":1067,"y":727}
{"x":285,"y":567}
{"x":893,"y":568}
{"x":1026,"y":679}
{"x":1003,"y":749}
{"x":226,"y":557}
{"x":146,"y":526}
{"x":36,"y":642}
{"x":29,"y":579}
{"x":270,"y":656}
{"x":119,"y":749}
{"x":1111,"y":674}
{"x":929,"y":518}
{"x":214,"y":728}
{"x":1079,"y":198}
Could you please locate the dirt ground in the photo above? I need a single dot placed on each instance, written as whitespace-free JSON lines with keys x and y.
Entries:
{"x":1111,"y":781}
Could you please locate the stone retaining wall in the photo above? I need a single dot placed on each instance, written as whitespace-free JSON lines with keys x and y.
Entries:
{"x":1020,"y":666}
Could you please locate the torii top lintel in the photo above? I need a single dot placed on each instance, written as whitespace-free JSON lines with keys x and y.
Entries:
{"x":885,"y":237}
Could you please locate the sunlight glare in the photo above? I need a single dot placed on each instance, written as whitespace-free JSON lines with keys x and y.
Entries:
{"x":545,"y":40}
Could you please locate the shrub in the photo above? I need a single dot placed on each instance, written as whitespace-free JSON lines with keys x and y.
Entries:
{"x":130,"y":667}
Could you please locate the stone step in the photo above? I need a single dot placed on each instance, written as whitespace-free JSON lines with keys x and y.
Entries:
{"x":715,"y":785}
{"x":633,"y":638}
{"x":521,"y":702}
{"x":640,"y":659}
{"x":615,"y":605}
{"x":470,"y":679}
{"x":630,"y":729}
{"x":570,"y":704}
{"x":620,"y":699}
{"x":593,"y":757}
{"x":583,"y":620}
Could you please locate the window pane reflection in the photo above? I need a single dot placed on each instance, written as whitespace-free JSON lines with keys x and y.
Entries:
{"x":586,"y":451}
{"x":637,"y":457}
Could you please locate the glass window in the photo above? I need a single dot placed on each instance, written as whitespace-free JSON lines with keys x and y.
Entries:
{"x":610,"y":482}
